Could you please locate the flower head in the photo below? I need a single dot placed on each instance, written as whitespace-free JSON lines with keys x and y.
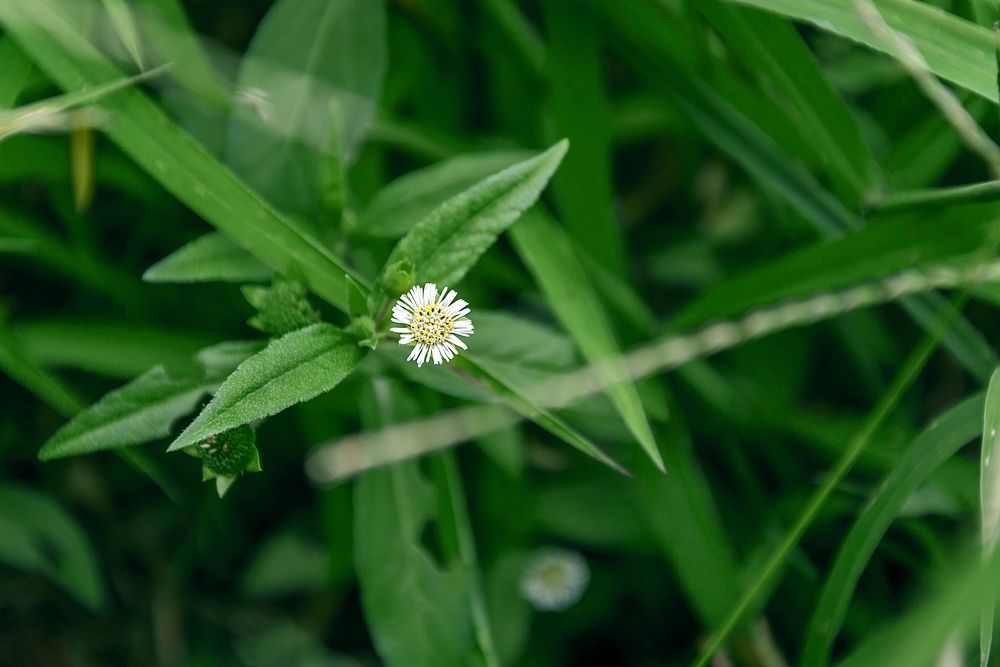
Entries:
{"x":432,"y":321}
{"x":554,"y":579}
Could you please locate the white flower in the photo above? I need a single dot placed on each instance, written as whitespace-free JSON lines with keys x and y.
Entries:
{"x":434,"y":321}
{"x":554,"y":579}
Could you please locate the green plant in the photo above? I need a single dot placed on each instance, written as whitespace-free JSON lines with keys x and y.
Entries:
{"x":670,"y":271}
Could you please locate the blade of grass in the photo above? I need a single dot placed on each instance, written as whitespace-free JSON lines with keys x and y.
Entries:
{"x":41,"y":115}
{"x":124,"y":23}
{"x":550,"y":257}
{"x":577,"y":108}
{"x":989,"y":502}
{"x":15,"y":73}
{"x":775,"y":53}
{"x":753,"y":594}
{"x":955,"y":49}
{"x":172,"y":157}
{"x":928,"y":451}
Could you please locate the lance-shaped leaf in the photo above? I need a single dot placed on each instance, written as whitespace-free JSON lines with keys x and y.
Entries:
{"x":292,"y":369}
{"x":142,"y":410}
{"x":550,"y":257}
{"x":989,"y":500}
{"x":448,"y":242}
{"x":401,"y":204}
{"x":212,"y":257}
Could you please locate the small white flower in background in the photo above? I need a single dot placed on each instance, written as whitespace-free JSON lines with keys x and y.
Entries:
{"x":554,"y":579}
{"x":432,"y":321}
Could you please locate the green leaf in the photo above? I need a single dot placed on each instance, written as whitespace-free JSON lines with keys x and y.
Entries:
{"x":398,"y":206}
{"x":15,"y":364}
{"x":105,"y":348}
{"x":653,"y":42}
{"x":868,"y":254}
{"x":171,"y":40}
{"x":211,"y":257}
{"x":447,"y":243}
{"x":292,"y":369}
{"x":551,"y":259}
{"x":989,"y":499}
{"x":15,"y":74}
{"x":935,"y":445}
{"x":683,"y":518}
{"x":522,"y":403}
{"x":778,"y":57}
{"x":46,"y":114}
{"x":306,"y":56}
{"x":577,"y":108}
{"x":417,"y":610}
{"x":121,"y":18}
{"x":37,"y":535}
{"x":138,"y":412}
{"x":170,"y":155}
{"x":955,"y":49}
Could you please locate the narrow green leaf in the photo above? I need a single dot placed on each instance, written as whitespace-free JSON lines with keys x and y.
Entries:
{"x":989,"y":500}
{"x":874,"y":252}
{"x":577,"y":108}
{"x":142,"y":410}
{"x":398,"y":206}
{"x":292,"y":369}
{"x":654,"y":43}
{"x":681,"y":515}
{"x":15,"y":73}
{"x":447,"y":243}
{"x":111,"y":349}
{"x":417,"y":609}
{"x":170,"y":155}
{"x":494,"y":378}
{"x":955,"y":49}
{"x":777,"y":55}
{"x":46,"y":114}
{"x":963,"y":584}
{"x":757,"y":591}
{"x":15,"y":364}
{"x":551,"y":259}
{"x":212,"y":257}
{"x":935,"y":445}
{"x":306,"y":56}
{"x":171,"y":40}
{"x":38,"y":535}
{"x":123,"y":22}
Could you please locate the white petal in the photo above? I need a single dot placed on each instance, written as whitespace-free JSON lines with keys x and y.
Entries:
{"x":423,"y":356}
{"x":448,"y":299}
{"x":454,"y":308}
{"x":430,"y":293}
{"x":456,"y":341}
{"x":414,"y":352}
{"x":436,"y":352}
{"x":407,"y":339}
{"x":400,"y":330}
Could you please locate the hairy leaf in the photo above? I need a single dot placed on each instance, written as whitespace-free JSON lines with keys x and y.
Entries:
{"x":448,"y":242}
{"x":213,"y":256}
{"x":292,"y":369}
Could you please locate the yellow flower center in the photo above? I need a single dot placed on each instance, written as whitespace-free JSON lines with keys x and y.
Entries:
{"x":431,"y":324}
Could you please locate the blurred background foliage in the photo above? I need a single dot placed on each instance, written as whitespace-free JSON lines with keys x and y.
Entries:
{"x":710,"y":142}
